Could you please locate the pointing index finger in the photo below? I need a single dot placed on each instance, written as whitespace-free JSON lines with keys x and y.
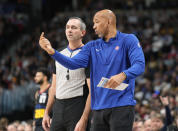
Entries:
{"x":42,"y":35}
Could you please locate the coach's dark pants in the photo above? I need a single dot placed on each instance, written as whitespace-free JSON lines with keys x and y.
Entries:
{"x":66,"y":113}
{"x":113,"y":119}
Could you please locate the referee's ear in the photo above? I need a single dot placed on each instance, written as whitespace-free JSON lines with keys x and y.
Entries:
{"x":83,"y":33}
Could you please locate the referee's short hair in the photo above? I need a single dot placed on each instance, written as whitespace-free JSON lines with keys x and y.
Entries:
{"x":45,"y":72}
{"x":82,"y":23}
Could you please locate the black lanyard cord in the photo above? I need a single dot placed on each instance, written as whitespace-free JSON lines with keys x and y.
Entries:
{"x":67,"y":76}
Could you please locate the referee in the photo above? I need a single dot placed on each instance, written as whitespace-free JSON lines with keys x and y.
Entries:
{"x":69,"y":87}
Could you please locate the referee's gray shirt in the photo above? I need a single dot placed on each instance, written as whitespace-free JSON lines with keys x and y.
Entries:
{"x":74,"y":86}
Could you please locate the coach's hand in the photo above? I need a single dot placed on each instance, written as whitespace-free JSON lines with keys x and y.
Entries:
{"x":46,"y":45}
{"x":46,"y":122}
{"x":115,"y":80}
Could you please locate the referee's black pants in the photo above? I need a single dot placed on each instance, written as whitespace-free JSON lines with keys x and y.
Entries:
{"x":66,"y":113}
{"x":113,"y":119}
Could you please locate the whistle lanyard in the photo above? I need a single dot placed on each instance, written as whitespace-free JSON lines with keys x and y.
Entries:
{"x":67,"y":76}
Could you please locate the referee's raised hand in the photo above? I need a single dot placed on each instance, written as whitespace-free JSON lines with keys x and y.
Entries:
{"x":45,"y":44}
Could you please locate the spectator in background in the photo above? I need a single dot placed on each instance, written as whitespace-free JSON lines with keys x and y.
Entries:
{"x":168,"y":117}
{"x":28,"y":127}
{"x":11,"y":127}
{"x":147,"y":125}
{"x":3,"y":124}
{"x":138,"y":126}
{"x":21,"y":127}
{"x":156,"y":123}
{"x":42,"y":78}
{"x":176,"y":123}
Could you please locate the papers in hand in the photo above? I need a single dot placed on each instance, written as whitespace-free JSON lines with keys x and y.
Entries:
{"x":104,"y":80}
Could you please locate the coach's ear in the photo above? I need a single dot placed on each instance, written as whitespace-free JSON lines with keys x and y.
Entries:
{"x":83,"y":33}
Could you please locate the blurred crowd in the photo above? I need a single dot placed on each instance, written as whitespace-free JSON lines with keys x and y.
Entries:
{"x":156,"y":29}
{"x":16,"y":125}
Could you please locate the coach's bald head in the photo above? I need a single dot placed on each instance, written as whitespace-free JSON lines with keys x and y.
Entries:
{"x":105,"y":23}
{"x":108,"y":15}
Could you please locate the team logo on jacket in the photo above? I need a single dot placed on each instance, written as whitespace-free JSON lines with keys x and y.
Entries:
{"x":117,"y":48}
